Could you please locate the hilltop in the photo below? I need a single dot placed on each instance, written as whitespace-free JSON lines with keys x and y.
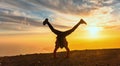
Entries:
{"x":100,"y":57}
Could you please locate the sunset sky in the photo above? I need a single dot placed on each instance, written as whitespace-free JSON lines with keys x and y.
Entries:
{"x":22,"y":31}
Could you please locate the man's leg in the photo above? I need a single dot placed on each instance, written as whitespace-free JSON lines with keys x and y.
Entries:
{"x":68,"y":52}
{"x":55,"y":50}
{"x":51,"y":27}
{"x":71,"y":30}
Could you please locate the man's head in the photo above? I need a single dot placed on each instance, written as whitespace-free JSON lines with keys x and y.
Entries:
{"x":45,"y":21}
{"x":83,"y":22}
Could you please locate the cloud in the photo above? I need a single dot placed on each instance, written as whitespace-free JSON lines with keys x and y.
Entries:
{"x":64,"y":6}
{"x":58,"y":11}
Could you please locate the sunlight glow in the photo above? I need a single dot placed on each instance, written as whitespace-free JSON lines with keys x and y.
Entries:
{"x":94,"y":31}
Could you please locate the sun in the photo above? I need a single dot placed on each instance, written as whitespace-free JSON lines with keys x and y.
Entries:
{"x":94,"y":31}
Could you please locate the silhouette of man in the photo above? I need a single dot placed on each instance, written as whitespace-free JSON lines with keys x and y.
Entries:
{"x":61,"y":36}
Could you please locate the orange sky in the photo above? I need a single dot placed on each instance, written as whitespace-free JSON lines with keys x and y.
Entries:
{"x":42,"y":43}
{"x":22,"y":31}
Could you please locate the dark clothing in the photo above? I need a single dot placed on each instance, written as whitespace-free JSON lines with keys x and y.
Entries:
{"x":61,"y":41}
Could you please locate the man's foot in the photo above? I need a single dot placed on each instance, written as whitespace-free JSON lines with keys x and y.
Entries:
{"x":45,"y":21}
{"x":83,"y":22}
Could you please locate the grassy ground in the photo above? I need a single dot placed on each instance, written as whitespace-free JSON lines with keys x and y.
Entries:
{"x":103,"y":57}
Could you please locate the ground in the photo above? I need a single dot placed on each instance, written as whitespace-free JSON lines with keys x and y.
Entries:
{"x":100,"y":57}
